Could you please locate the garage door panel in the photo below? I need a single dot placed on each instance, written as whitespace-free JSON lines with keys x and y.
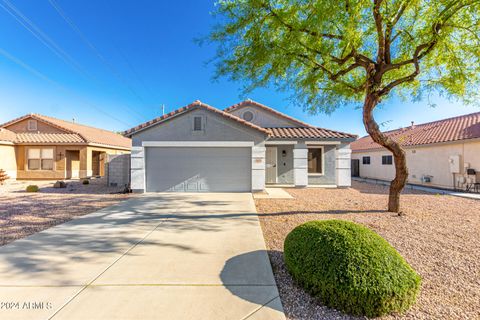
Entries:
{"x":198,"y":169}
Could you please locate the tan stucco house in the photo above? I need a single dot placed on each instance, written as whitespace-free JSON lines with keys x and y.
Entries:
{"x":444,"y":153}
{"x":39,"y":147}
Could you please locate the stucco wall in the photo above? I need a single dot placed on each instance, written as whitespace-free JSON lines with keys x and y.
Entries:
{"x":329,"y":175}
{"x":7,"y":160}
{"x":263,"y":118}
{"x":430,"y":160}
{"x":60,"y":161}
{"x":285,"y":165}
{"x":22,"y":126}
{"x":217,"y":128}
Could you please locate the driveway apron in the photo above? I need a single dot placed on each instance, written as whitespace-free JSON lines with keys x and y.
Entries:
{"x":156,"y":256}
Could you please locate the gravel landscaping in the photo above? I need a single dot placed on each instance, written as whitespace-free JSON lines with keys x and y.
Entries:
{"x":437,"y":234}
{"x":23,"y":213}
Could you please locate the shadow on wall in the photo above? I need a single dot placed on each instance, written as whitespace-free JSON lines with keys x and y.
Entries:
{"x":249,"y":276}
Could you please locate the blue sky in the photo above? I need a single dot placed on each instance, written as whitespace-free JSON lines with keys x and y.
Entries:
{"x":133,"y":57}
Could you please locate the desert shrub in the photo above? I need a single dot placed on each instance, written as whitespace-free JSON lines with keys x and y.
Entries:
{"x":86,"y":181}
{"x":32,"y":188}
{"x":350,"y":268}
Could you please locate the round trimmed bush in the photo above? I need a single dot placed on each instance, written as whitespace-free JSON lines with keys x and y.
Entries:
{"x":32,"y":188}
{"x":350,"y":268}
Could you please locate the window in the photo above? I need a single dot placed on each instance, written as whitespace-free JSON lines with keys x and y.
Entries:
{"x":366,"y":160}
{"x":32,"y":125}
{"x":387,"y":160}
{"x":40,"y":159}
{"x":248,"y":116}
{"x":315,"y":161}
{"x":197,"y":124}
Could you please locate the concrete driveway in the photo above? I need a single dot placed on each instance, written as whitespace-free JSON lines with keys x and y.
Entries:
{"x":157,"y":256}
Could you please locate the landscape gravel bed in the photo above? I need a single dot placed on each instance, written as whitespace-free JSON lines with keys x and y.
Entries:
{"x":437,"y":234}
{"x":23,"y":213}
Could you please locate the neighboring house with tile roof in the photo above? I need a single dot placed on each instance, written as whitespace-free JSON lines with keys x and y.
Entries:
{"x":39,"y":147}
{"x":243,"y":148}
{"x":438,"y":153}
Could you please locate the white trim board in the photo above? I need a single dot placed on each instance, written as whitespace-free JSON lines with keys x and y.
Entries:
{"x":198,"y":144}
{"x":322,"y":143}
{"x":276,"y":143}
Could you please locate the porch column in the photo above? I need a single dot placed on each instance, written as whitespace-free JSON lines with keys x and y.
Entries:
{"x":258,"y":168}
{"x":137,"y":169}
{"x":300,"y":170}
{"x":343,"y":164}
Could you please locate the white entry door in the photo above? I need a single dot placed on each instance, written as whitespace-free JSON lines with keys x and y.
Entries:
{"x":271,"y":165}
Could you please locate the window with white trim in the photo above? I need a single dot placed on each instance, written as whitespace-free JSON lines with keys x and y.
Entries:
{"x":40,"y":159}
{"x":32,"y":125}
{"x":315,"y":160}
{"x":366,"y":160}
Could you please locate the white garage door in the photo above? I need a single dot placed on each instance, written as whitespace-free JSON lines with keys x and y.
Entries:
{"x":190,"y":169}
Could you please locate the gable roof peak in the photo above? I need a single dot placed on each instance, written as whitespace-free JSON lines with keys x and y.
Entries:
{"x":195,"y":104}
{"x":250,"y":102}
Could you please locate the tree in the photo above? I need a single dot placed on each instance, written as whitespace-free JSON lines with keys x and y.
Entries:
{"x":340,"y":52}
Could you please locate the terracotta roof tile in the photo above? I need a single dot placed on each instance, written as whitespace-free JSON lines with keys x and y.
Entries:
{"x":262,"y":106}
{"x":25,"y":137}
{"x":447,"y":130}
{"x":193,"y":105}
{"x":7,"y":135}
{"x":86,"y":133}
{"x":308,"y":133}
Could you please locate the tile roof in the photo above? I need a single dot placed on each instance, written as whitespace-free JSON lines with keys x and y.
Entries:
{"x":308,"y":133}
{"x":194,"y":105}
{"x":75,"y":133}
{"x":249,"y":102}
{"x":26,"y":137}
{"x":7,"y":135}
{"x":447,"y":130}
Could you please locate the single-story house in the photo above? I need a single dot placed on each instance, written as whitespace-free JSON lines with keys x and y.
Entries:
{"x":40,"y":147}
{"x":444,"y":153}
{"x":242,"y":148}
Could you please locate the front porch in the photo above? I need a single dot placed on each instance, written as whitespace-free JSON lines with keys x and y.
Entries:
{"x":307,"y":164}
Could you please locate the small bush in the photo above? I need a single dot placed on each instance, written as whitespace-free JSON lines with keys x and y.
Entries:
{"x":32,"y":188}
{"x":86,"y":181}
{"x":350,"y":268}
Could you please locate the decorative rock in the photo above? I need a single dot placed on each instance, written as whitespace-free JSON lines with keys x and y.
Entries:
{"x":60,"y":184}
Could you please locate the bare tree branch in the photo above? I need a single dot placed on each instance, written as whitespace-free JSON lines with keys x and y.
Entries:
{"x":379,"y":25}
{"x":302,"y":29}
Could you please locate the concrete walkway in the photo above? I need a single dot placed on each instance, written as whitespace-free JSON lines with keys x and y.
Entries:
{"x":158,"y":256}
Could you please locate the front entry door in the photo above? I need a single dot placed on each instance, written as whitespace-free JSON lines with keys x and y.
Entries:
{"x":271,"y":165}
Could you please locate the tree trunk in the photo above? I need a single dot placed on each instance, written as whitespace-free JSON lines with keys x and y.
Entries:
{"x":401,"y":170}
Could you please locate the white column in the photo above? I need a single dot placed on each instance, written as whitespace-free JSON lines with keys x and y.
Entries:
{"x":258,"y":168}
{"x":343,"y":163}
{"x":137,"y":169}
{"x":300,"y":170}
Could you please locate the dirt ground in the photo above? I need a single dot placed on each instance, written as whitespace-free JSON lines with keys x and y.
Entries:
{"x":23,"y":213}
{"x":438,"y":235}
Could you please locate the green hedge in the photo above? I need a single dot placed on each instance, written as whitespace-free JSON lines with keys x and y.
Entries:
{"x":350,"y":268}
{"x":32,"y":188}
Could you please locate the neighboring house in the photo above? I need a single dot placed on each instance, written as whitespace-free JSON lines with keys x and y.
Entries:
{"x":439,"y":153}
{"x":243,"y":148}
{"x":41,"y":147}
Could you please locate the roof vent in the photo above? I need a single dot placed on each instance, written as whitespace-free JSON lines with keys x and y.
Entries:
{"x":413,"y":125}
